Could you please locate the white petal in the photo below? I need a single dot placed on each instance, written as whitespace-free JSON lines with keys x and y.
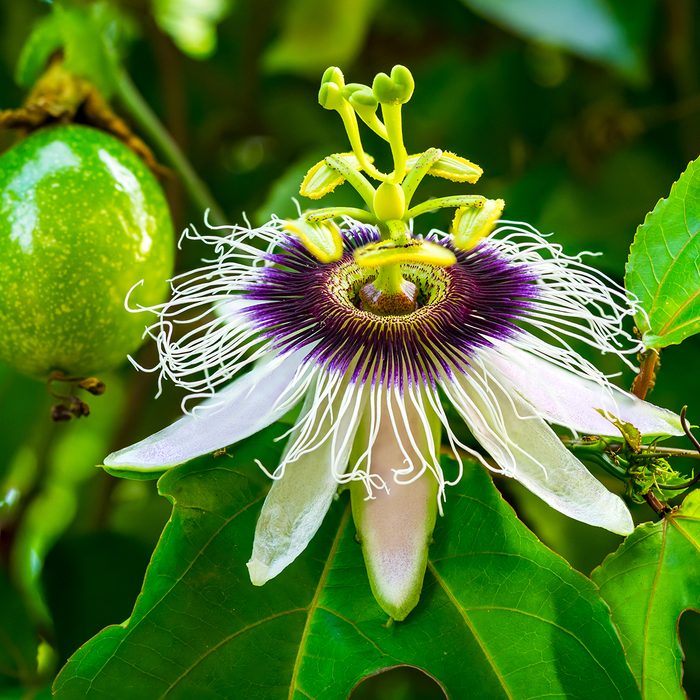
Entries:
{"x":297,"y":503}
{"x":527,"y":449}
{"x":243,"y":408}
{"x":567,"y":399}
{"x":395,"y":528}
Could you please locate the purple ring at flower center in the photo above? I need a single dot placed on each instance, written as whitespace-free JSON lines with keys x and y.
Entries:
{"x":462,"y":308}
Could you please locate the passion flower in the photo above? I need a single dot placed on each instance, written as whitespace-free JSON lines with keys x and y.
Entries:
{"x":81,"y":221}
{"x":374,"y":330}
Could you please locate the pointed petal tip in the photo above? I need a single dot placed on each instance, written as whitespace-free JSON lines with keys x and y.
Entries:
{"x":397,"y":601}
{"x":621,"y":522}
{"x":117,"y":459}
{"x":250,"y":403}
{"x":259,"y":572}
{"x":111,"y":460}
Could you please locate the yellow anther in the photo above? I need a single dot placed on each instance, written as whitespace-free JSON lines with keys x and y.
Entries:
{"x":322,"y":239}
{"x":323,"y":178}
{"x":473,"y":223}
{"x":386,"y":253}
{"x":451,"y":167}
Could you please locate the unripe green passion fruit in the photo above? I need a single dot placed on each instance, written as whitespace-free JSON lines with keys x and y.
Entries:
{"x":82,"y":220}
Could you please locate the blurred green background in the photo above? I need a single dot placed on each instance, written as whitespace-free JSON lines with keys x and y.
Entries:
{"x":581,"y":112}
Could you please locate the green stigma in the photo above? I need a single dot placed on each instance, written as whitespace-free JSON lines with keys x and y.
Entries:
{"x":389,"y":204}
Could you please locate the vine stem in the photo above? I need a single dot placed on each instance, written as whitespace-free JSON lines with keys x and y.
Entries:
{"x":657,"y":451}
{"x":146,"y":119}
{"x":644,"y":381}
{"x":641,"y":386}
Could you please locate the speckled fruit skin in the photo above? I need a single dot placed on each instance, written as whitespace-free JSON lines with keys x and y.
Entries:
{"x":81,"y":221}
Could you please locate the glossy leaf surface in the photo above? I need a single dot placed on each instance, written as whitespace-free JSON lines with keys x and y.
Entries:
{"x":507,"y":618}
{"x":648,"y":583}
{"x":663,"y":269}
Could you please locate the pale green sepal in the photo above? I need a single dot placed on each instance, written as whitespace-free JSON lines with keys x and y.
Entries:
{"x":473,"y":223}
{"x":581,"y":405}
{"x":395,"y":529}
{"x":513,"y":432}
{"x":323,"y":239}
{"x":413,"y":251}
{"x":135,"y":473}
{"x":450,"y":167}
{"x":323,"y":178}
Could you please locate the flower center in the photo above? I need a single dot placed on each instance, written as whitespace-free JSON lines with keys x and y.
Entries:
{"x":333,"y":310}
{"x":353,"y":287}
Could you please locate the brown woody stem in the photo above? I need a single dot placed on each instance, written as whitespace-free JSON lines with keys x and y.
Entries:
{"x":642,"y":385}
{"x":644,"y":381}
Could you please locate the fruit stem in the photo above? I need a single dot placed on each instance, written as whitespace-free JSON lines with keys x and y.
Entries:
{"x":133,"y":102}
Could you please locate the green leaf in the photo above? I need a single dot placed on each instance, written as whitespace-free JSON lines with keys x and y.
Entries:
{"x":44,"y":40}
{"x":507,"y":617}
{"x":317,"y":34}
{"x":663,"y":269}
{"x":192,"y":24}
{"x":18,"y":640}
{"x":87,"y":45}
{"x":91,"y":39}
{"x":648,"y":583}
{"x":587,"y":28}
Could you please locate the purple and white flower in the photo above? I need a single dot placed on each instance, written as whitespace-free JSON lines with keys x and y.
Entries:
{"x":386,"y":343}
{"x":269,"y":327}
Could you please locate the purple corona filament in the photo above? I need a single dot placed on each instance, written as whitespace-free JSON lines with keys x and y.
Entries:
{"x":304,"y":303}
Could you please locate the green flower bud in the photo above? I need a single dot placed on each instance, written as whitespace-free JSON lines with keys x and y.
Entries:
{"x":333,"y":74}
{"x":360,"y":96}
{"x":396,"y":89}
{"x":330,"y":96}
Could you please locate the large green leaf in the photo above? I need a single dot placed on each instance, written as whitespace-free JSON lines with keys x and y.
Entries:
{"x":648,"y":583}
{"x":501,"y":616}
{"x":663,"y":268}
{"x":588,"y":28}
